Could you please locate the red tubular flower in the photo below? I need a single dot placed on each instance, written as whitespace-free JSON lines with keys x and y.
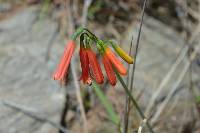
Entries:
{"x":115,"y":61}
{"x":84,"y":65}
{"x":62,"y":67}
{"x":109,"y":70}
{"x":95,"y":67}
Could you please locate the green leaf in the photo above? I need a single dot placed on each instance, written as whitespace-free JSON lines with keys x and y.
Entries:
{"x":105,"y":102}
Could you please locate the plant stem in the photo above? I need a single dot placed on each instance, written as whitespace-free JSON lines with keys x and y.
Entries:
{"x":133,"y":100}
{"x":126,"y":122}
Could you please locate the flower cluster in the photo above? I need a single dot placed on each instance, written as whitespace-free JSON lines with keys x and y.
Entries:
{"x":91,"y":69}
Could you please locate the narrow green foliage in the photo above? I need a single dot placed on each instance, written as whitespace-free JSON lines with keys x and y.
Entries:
{"x":45,"y":7}
{"x":43,"y":11}
{"x":198,"y":99}
{"x":105,"y":102}
{"x":132,"y":99}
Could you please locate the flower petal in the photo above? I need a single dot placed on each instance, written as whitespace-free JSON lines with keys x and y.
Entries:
{"x":115,"y":61}
{"x":95,"y":67}
{"x":62,"y":67}
{"x":109,"y":70}
{"x":84,"y":65}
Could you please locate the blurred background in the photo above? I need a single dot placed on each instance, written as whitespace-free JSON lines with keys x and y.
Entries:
{"x":33,"y":34}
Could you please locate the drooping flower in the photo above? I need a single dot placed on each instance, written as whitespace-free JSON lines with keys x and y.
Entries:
{"x":109,"y":70}
{"x":84,"y":65}
{"x":62,"y":68}
{"x":115,"y":61}
{"x":95,"y":66}
{"x":122,"y":54}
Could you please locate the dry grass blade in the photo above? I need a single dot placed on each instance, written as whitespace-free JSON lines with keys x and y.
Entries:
{"x":132,"y":99}
{"x":142,"y":125}
{"x":127,"y":101}
{"x":169,"y":96}
{"x":73,"y":69}
{"x":78,"y":95}
{"x":166,"y":79}
{"x":126,"y":121}
{"x":87,"y":4}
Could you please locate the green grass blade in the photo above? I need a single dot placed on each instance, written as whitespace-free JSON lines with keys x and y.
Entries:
{"x":132,"y":99}
{"x":43,"y":11}
{"x":105,"y":102}
{"x":45,"y":8}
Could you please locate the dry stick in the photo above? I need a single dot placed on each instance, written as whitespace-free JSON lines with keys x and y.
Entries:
{"x":78,"y":95}
{"x":186,"y":26}
{"x":134,"y":65}
{"x":87,"y":4}
{"x":192,"y":13}
{"x":192,"y":94}
{"x":170,"y":72}
{"x":73,"y":69}
{"x":169,"y":96}
{"x":191,"y":84}
{"x":64,"y":112}
{"x":166,"y":80}
{"x":127,"y":101}
{"x":31,"y":113}
{"x":78,"y":92}
{"x":70,"y":16}
{"x":142,"y":125}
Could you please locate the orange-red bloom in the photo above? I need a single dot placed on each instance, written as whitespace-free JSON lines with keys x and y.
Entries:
{"x":95,"y":67}
{"x":109,"y":70}
{"x":84,"y":65}
{"x":115,"y":61}
{"x":63,"y":66}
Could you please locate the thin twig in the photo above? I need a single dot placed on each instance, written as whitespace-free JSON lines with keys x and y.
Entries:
{"x":73,"y":69}
{"x":87,"y":4}
{"x":64,"y":113}
{"x":166,"y":79}
{"x":70,"y":17}
{"x":137,"y":45}
{"x":33,"y":114}
{"x":78,"y":95}
{"x":134,"y":66}
{"x":142,"y":125}
{"x":127,"y":101}
{"x":175,"y":86}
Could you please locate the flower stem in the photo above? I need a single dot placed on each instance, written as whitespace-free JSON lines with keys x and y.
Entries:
{"x":132,"y":99}
{"x":77,"y":33}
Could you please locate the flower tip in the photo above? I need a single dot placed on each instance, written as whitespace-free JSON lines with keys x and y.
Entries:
{"x":99,"y":81}
{"x":123,"y":71}
{"x":55,"y":76}
{"x":113,"y":84}
{"x":131,"y":61}
{"x":123,"y":54}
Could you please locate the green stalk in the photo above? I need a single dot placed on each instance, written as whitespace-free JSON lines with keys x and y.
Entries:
{"x":77,"y":33}
{"x":133,"y":100}
{"x":105,"y":102}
